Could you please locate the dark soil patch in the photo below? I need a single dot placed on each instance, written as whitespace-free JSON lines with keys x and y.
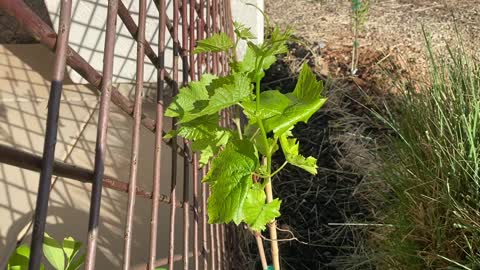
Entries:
{"x":339,"y":136}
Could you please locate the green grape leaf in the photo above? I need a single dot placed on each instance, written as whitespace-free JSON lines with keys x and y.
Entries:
{"x":276,"y":44}
{"x":189,"y":98}
{"x":290,"y":148}
{"x":272,"y":103}
{"x":198,"y":128}
{"x":257,"y":213}
{"x":227,"y":91}
{"x":263,"y":149}
{"x":20,"y":259}
{"x":71,"y":247}
{"x":230,"y":178}
{"x":209,"y":146}
{"x":205,"y":154}
{"x":307,"y":86}
{"x":305,"y":101}
{"x":242,"y":31}
{"x":298,"y":111}
{"x":76,"y":263}
{"x":247,"y":65}
{"x":53,"y":252}
{"x":218,"y":42}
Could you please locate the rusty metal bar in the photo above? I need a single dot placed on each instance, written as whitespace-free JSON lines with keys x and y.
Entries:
{"x":137,"y":116}
{"x":161,"y":74}
{"x":222,"y":245}
{"x":195,"y":212}
{"x":230,"y":21}
{"x":194,"y":155}
{"x":213,"y":249}
{"x":101,"y":142}
{"x":173,"y":187}
{"x":129,"y":23}
{"x":186,"y":167}
{"x":200,"y":56}
{"x":204,"y":221}
{"x":186,"y":214}
{"x":215,"y":30}
{"x":170,"y":29}
{"x":207,"y":27}
{"x":45,"y":35}
{"x":200,"y":31}
{"x":32,"y":162}
{"x":48,"y":158}
{"x":191,"y":45}
{"x":161,"y":262}
{"x":184,"y":49}
{"x":218,"y":247}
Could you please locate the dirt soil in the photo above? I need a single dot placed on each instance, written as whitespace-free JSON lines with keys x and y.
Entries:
{"x":393,"y":27}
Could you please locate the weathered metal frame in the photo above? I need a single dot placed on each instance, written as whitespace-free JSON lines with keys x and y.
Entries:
{"x":199,"y":19}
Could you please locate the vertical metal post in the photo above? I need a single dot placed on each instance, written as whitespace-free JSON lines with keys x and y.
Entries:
{"x":48,"y":158}
{"x":208,"y":28}
{"x":194,"y":155}
{"x":158,"y":135}
{"x":215,"y":30}
{"x":101,"y":141}
{"x":204,"y":221}
{"x":174,"y":140}
{"x":136,"y":134}
{"x":186,"y":168}
{"x":212,"y":240}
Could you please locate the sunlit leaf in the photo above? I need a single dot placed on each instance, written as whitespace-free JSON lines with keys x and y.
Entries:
{"x":298,"y":111}
{"x":290,"y":148}
{"x":272,"y":103}
{"x":307,"y":86}
{"x":71,"y":247}
{"x":53,"y":252}
{"x":20,"y":258}
{"x":76,"y":263}
{"x":258,"y":213}
{"x":231,"y":177}
{"x":190,"y":98}
{"x":242,"y":31}
{"x":218,"y":42}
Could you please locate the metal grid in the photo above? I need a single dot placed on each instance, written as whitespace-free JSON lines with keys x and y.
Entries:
{"x":198,"y":19}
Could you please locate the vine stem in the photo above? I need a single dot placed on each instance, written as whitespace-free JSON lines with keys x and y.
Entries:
{"x":272,"y":174}
{"x":268,"y":187}
{"x":261,"y":250}
{"x":273,"y":225}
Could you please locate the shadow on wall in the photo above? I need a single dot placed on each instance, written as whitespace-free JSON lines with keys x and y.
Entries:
{"x":22,"y":124}
{"x":88,"y":35}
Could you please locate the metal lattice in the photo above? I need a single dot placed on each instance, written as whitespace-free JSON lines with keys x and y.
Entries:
{"x":192,"y":20}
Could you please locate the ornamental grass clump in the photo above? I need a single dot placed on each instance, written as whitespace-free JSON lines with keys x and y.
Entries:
{"x":431,"y":204}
